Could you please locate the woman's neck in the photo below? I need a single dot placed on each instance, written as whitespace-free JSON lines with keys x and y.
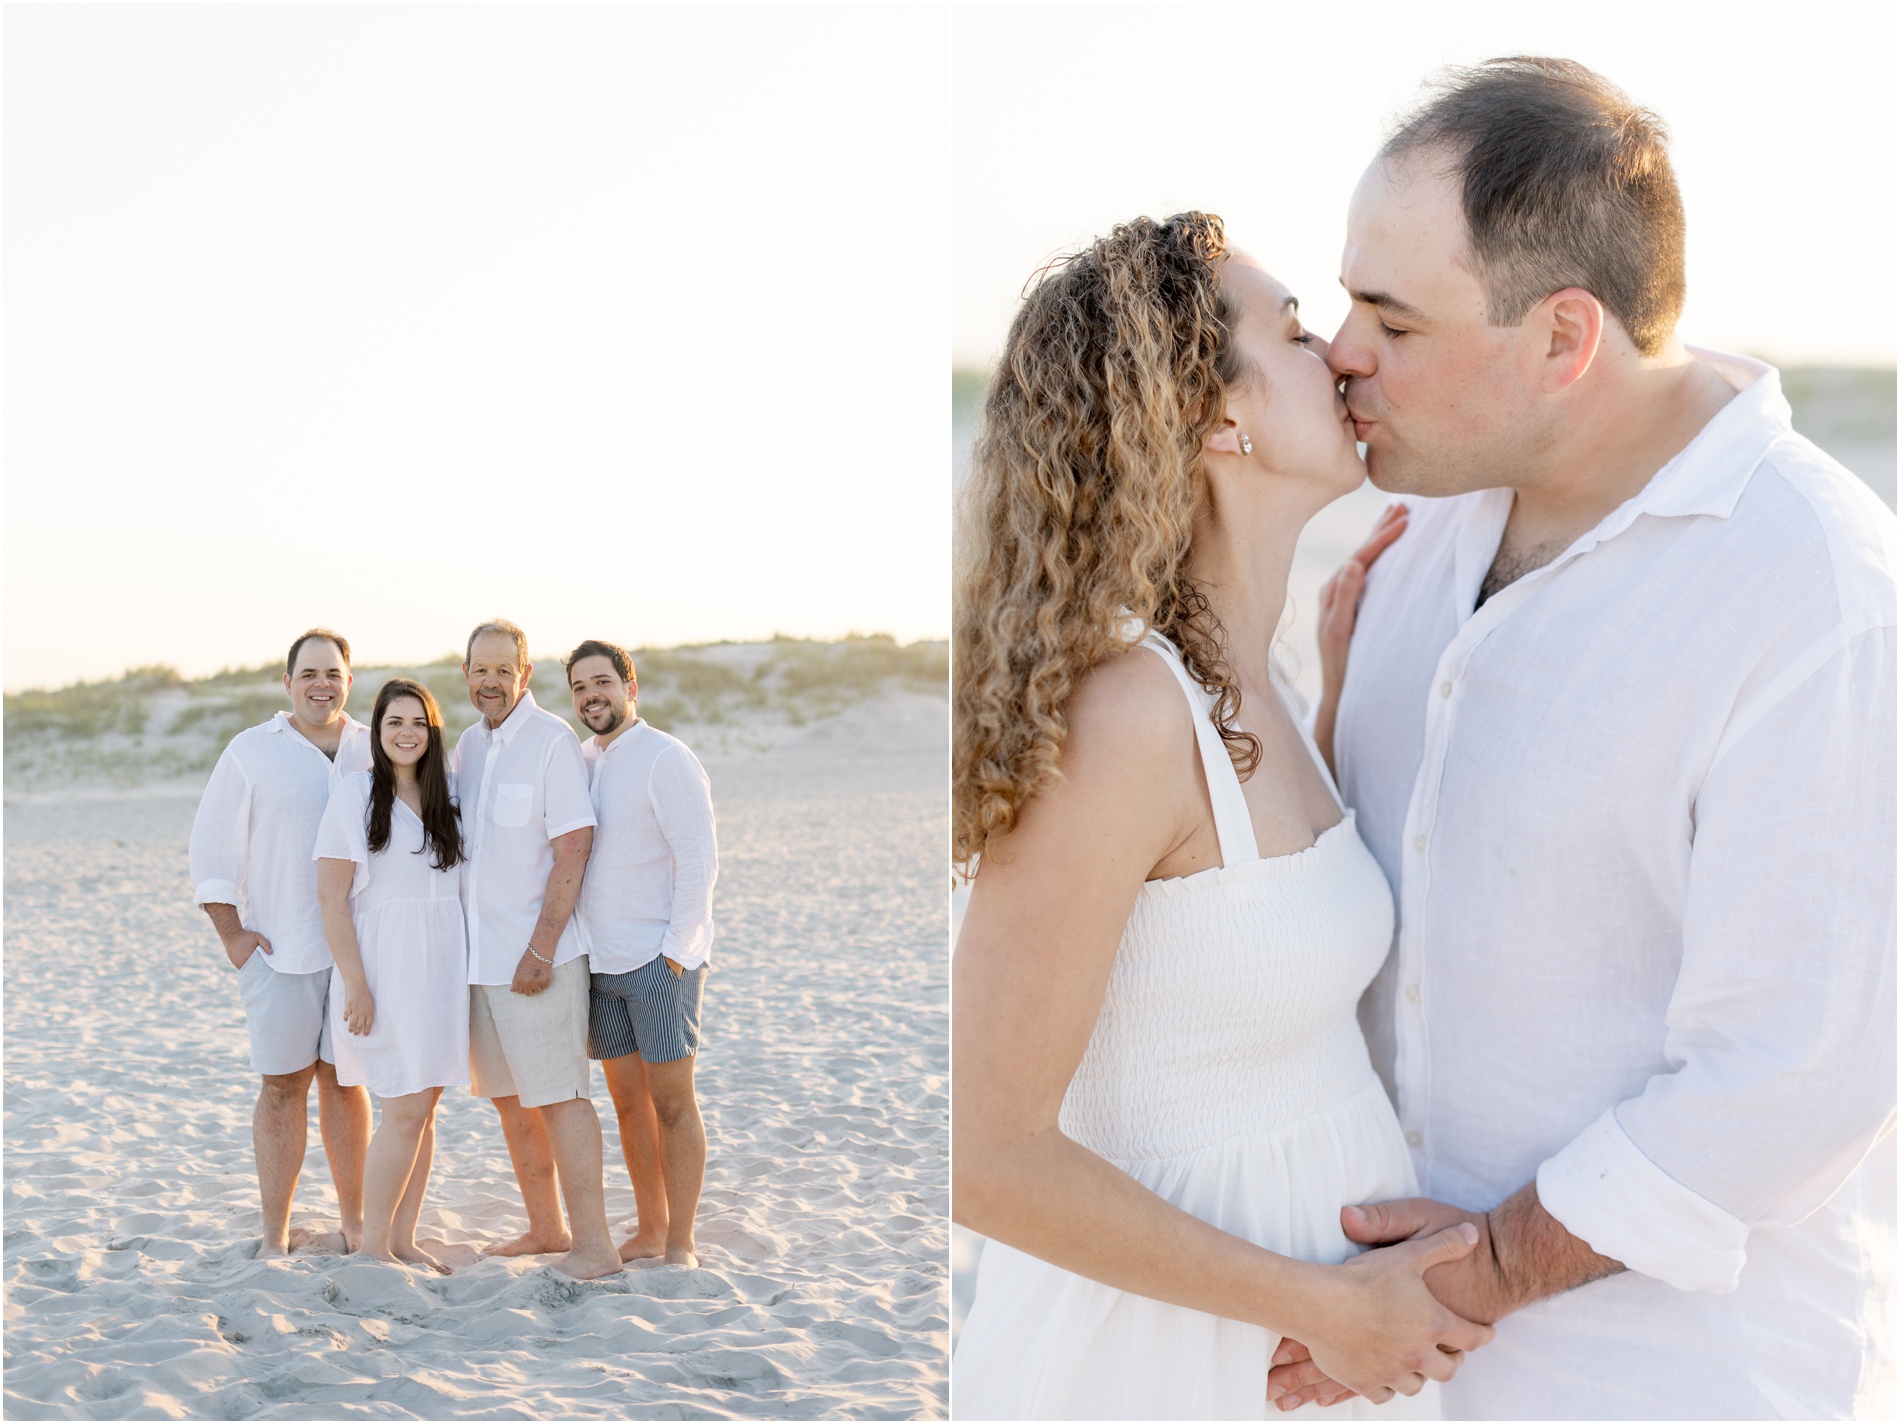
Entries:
{"x":406,"y":778}
{"x":1241,"y":562}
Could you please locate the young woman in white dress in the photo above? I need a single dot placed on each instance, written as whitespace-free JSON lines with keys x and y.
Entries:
{"x":389,"y":874}
{"x":1162,"y":1097}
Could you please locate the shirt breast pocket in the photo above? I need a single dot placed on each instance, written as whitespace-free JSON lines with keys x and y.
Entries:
{"x":512,"y":803}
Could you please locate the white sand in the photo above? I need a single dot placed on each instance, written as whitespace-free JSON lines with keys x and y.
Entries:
{"x":131,"y":1204}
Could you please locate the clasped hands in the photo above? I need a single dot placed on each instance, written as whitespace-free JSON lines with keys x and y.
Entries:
{"x":1471,"y":1286}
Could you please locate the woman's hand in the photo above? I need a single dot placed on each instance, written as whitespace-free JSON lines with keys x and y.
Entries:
{"x":1338,"y":613}
{"x":1339,"y":598}
{"x":1380,"y":1331}
{"x":359,"y":1009}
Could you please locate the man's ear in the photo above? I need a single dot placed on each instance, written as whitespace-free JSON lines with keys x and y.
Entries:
{"x":1572,"y":325}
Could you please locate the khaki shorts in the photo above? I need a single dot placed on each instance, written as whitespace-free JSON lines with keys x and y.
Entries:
{"x":531,"y":1046}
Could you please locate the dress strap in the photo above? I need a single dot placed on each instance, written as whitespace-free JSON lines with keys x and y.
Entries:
{"x":1233,"y":826}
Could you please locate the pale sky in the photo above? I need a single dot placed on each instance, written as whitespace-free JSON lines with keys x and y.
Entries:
{"x":1072,"y":118}
{"x":616,"y":321}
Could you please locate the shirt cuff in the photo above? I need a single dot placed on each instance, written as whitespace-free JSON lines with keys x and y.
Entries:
{"x":1603,"y":1190}
{"x":566,"y":826}
{"x":215,"y":892}
{"x":684,"y":956}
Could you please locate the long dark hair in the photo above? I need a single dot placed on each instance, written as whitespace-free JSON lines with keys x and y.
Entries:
{"x":441,"y":827}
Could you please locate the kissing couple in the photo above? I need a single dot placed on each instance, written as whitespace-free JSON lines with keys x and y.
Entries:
{"x":1515,"y":1038}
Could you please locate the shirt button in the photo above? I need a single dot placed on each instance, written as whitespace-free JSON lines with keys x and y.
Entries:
{"x":1411,"y":993}
{"x":1414,"y":1138}
{"x":1418,"y":843}
{"x":1444,"y":689}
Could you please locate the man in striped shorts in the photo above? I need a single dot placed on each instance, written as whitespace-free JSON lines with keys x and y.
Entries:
{"x":647,"y":907}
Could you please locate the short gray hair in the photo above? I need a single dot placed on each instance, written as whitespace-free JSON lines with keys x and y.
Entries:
{"x":498,"y":625}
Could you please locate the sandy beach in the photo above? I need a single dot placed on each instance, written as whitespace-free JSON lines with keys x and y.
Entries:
{"x":131,"y":1205}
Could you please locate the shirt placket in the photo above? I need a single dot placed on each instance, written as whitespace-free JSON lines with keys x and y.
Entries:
{"x":491,"y":753}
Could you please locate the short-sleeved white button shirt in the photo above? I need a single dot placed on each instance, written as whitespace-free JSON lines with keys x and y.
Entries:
{"x":520,"y":786}
{"x":255,"y":828}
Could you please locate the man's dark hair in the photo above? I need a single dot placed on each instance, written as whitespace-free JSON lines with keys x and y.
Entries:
{"x":1567,"y":183}
{"x":595,"y":648}
{"x":504,"y":627}
{"x":342,"y":646}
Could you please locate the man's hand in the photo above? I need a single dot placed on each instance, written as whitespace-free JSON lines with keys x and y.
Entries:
{"x":677,"y":968}
{"x":531,"y":975}
{"x":1471,"y":1286}
{"x":241,"y":946}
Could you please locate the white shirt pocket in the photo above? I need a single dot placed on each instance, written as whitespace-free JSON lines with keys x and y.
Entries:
{"x":512,"y":801}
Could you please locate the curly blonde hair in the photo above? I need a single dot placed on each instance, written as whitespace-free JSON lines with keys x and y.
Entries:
{"x":1080,"y":506}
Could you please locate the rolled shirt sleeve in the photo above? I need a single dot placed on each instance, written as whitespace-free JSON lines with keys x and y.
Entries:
{"x":566,"y":804}
{"x":1780,"y":1028}
{"x":220,"y":834}
{"x":682,"y":804}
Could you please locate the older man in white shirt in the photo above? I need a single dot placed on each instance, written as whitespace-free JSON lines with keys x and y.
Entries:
{"x":527,"y":829}
{"x":251,"y":843}
{"x":1619,"y":725}
{"x":647,"y":905}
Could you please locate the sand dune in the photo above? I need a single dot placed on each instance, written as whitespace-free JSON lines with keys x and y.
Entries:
{"x":131,"y":1210}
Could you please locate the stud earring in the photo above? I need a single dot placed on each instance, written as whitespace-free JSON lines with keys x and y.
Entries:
{"x":1246,"y":445}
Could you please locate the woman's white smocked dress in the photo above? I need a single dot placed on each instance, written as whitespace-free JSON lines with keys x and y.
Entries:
{"x":408,"y":918}
{"x":1227,"y":1073}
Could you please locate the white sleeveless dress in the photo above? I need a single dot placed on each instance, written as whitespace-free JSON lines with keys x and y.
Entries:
{"x":1228,"y":1075}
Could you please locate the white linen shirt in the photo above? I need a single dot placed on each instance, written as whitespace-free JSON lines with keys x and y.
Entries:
{"x":649,"y":881}
{"x":520,"y":786}
{"x":256,"y":826}
{"x":1639,"y":810}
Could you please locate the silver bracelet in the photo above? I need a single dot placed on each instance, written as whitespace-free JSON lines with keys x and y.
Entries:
{"x":542,"y":957}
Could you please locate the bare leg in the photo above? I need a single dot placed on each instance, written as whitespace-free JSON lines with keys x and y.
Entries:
{"x":343,"y":1117}
{"x":574,"y":1132}
{"x":280,"y":1128}
{"x":402,"y":1230}
{"x":682,"y":1153}
{"x":388,"y":1166}
{"x":529,"y":1150}
{"x":640,"y":1145}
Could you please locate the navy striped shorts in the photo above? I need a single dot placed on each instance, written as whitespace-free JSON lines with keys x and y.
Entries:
{"x":649,"y":1011}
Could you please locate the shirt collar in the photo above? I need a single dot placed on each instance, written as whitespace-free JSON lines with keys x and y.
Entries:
{"x":281,"y":723}
{"x":606,"y":748}
{"x":519,"y":717}
{"x":1708,"y":475}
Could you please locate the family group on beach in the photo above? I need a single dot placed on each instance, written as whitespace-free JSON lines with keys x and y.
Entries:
{"x":401,"y":921}
{"x":1605,"y":1129}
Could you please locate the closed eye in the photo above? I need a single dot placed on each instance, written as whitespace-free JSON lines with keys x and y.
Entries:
{"x":1391,"y":330}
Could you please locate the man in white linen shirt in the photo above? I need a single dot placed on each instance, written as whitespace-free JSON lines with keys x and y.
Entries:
{"x":250,"y":844}
{"x":527,"y":827}
{"x":647,"y":905}
{"x":1619,"y":724}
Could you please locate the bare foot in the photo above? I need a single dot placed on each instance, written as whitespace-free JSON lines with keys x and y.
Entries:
{"x":267,"y":1250}
{"x":352,"y":1237}
{"x":681,"y":1256}
{"x":531,"y":1243}
{"x":414,"y":1255}
{"x":643,"y":1245}
{"x":300,"y":1237}
{"x":587,"y":1268}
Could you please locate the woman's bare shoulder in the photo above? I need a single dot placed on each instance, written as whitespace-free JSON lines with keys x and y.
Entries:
{"x":1130,"y":708}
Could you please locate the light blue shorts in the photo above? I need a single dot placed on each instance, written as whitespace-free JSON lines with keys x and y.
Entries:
{"x":290,"y":1028}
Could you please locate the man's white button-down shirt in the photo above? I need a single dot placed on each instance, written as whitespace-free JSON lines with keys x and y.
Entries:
{"x":650,"y":879}
{"x":256,"y":827}
{"x":1639,"y":812}
{"x":520,"y":786}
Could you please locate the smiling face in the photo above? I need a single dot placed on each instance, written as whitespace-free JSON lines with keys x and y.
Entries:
{"x":319,"y":684}
{"x":1287,"y":403}
{"x":1444,"y":401}
{"x":496,"y":676}
{"x":601,"y":699}
{"x":404,"y":731}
